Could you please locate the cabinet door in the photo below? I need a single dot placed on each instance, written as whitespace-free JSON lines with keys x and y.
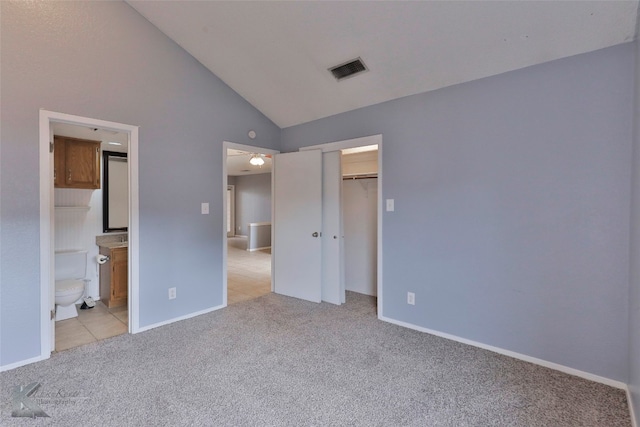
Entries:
{"x":119,"y":274}
{"x":82,"y":163}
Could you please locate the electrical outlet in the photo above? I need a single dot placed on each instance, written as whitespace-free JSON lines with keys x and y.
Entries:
{"x":172,"y":293}
{"x":411,"y":298}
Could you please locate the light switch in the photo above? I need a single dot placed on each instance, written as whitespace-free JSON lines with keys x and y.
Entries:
{"x":205,"y":208}
{"x":390,"y":206}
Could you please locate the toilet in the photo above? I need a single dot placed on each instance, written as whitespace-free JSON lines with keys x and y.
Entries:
{"x":70,"y":271}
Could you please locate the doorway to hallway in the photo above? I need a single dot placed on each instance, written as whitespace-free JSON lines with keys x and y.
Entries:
{"x":248,"y":209}
{"x":248,"y":272}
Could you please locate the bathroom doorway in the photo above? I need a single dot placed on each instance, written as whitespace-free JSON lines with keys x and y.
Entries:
{"x":71,"y":218}
{"x":247,"y":236}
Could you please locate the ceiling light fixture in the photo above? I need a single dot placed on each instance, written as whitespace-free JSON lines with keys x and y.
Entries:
{"x":114,"y":143}
{"x":256,"y":160}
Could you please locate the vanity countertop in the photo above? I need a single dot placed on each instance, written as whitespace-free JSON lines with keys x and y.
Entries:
{"x":113,"y":245}
{"x":112,"y":241}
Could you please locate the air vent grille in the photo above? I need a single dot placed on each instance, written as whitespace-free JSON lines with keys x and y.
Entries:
{"x":348,"y":69}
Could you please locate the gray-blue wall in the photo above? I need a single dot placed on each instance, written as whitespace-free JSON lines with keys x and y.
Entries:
{"x":253,"y":200}
{"x":512,"y":207}
{"x":103,"y":60}
{"x":634,"y":290}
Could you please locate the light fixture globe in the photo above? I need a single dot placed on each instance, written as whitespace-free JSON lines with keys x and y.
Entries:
{"x":256,"y":160}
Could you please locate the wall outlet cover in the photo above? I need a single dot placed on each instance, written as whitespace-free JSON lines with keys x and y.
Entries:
{"x":411,"y":298}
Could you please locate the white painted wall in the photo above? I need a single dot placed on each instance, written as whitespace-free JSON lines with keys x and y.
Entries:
{"x":360,"y":234}
{"x":360,"y":163}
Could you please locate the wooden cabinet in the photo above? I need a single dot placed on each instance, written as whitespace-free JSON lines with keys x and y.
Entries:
{"x":76,"y":163}
{"x":114,"y":284}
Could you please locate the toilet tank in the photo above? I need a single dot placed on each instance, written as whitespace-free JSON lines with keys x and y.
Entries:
{"x":70,"y":265}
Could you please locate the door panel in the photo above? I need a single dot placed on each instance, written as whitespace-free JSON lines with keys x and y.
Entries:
{"x":332,"y":269}
{"x":297,"y":222}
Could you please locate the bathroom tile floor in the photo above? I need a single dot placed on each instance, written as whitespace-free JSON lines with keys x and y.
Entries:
{"x":248,"y":277}
{"x":248,"y":273}
{"x":91,"y":325}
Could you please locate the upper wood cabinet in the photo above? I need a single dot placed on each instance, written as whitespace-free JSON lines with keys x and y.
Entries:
{"x":76,"y":163}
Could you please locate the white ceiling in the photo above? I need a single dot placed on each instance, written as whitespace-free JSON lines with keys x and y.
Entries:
{"x":94,"y":134}
{"x":276,"y":53}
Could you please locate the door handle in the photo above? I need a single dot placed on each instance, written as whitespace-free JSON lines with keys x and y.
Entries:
{"x":315,"y":234}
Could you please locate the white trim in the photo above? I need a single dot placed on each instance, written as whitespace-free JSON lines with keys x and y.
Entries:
{"x":380,"y":220}
{"x":520,"y":356}
{"x":347,"y":143}
{"x":632,"y":412}
{"x":254,"y":149}
{"x":134,"y":234}
{"x":250,"y":148}
{"x":259,"y":249}
{"x":177,"y":319}
{"x":22,"y":363}
{"x":273,"y":228}
{"x":232,"y":210}
{"x":46,"y":238}
{"x":47,"y":217}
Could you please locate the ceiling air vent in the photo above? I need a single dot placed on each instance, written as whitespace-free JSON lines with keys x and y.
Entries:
{"x":348,"y":69}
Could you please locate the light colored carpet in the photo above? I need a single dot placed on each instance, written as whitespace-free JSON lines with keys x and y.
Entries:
{"x":278,"y":361}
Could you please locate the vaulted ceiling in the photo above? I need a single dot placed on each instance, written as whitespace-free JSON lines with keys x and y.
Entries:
{"x":276,"y":54}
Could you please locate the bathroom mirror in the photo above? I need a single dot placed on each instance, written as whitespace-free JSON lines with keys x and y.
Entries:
{"x":115,"y":192}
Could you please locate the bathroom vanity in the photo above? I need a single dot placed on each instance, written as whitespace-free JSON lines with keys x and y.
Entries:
{"x":114,"y":274}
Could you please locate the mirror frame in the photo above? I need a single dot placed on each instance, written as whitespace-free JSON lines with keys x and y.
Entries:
{"x":105,"y":192}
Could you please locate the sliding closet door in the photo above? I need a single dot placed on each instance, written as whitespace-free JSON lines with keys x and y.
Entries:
{"x":332,"y":259}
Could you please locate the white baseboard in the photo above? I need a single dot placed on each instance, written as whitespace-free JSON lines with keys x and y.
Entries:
{"x":520,"y":356}
{"x":258,"y":249}
{"x":632,"y":412}
{"x":177,"y":319}
{"x":23,"y":362}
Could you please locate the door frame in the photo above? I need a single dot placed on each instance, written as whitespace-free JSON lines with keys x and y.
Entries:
{"x":231,"y":211}
{"x":47,"y":225}
{"x":353,"y":143}
{"x":252,"y":149}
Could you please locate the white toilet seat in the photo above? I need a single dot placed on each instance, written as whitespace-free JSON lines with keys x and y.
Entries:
{"x":69,"y":287}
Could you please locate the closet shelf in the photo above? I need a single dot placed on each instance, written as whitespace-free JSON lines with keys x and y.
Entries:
{"x":72,"y":208}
